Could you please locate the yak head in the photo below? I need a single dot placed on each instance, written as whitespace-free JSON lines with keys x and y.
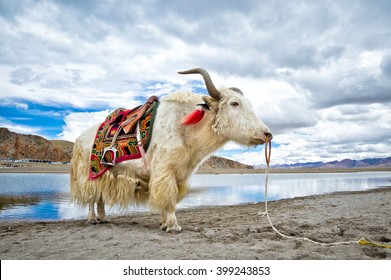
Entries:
{"x":233,"y":116}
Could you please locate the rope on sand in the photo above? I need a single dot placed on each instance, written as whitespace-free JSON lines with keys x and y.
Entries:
{"x":362,"y":241}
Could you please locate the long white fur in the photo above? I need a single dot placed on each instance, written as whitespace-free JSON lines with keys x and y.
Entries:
{"x":174,"y":153}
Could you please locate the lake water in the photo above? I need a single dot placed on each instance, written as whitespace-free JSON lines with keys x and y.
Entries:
{"x":46,"y":196}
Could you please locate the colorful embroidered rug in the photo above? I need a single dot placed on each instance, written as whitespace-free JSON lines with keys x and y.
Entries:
{"x":125,"y":144}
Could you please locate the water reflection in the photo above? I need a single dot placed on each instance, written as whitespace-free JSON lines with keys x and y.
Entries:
{"x":46,"y":196}
{"x":11,"y":201}
{"x":235,"y":189}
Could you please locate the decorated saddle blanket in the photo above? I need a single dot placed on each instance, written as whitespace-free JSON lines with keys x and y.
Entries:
{"x":129,"y":142}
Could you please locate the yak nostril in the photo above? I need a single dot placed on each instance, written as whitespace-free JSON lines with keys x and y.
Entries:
{"x":269,"y":135}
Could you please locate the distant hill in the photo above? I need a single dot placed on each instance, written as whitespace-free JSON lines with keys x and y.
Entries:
{"x":25,"y":146}
{"x":67,"y":146}
{"x":345,"y":163}
{"x":216,"y":162}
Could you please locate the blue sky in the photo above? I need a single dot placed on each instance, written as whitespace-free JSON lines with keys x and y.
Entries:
{"x":318,"y":73}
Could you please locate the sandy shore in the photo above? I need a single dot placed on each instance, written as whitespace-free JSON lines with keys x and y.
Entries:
{"x":227,"y":232}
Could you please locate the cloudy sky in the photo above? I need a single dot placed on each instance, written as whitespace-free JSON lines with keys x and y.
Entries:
{"x":318,"y":73}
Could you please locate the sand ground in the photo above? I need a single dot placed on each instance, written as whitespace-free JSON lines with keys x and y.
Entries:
{"x":226,"y":232}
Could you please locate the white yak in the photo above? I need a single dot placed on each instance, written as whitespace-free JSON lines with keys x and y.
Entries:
{"x":175,"y":151}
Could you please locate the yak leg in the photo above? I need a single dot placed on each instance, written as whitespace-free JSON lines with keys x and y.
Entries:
{"x":169,"y":222}
{"x":168,"y":219}
{"x":101,"y":211}
{"x":91,"y":212}
{"x":164,"y":196}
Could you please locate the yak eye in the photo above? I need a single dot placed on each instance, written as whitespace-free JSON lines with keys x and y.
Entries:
{"x":234,"y":104}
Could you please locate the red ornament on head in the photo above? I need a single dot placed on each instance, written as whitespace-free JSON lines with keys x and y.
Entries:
{"x":195,"y":116}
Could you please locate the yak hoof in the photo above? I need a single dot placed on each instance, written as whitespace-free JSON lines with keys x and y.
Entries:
{"x":104,"y":220}
{"x":174,"y":229}
{"x":92,"y":221}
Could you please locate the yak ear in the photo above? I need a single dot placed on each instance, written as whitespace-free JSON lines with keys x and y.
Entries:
{"x":211,"y":102}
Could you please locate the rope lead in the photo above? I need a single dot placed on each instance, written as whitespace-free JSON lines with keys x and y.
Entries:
{"x":363,"y":241}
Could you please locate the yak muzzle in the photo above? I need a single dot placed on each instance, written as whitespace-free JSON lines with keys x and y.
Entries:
{"x":261,"y":137}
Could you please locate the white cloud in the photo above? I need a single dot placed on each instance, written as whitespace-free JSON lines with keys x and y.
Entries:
{"x":76,"y":123}
{"x":278,"y":103}
{"x":318,"y":74}
{"x":255,"y":158}
{"x":22,"y":106}
{"x":23,"y":129}
{"x":341,"y":132}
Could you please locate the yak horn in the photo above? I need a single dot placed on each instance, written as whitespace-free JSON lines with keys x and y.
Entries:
{"x":212,"y":90}
{"x":236,"y":90}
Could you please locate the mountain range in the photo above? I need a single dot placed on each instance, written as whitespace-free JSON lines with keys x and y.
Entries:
{"x":17,"y":146}
{"x":342,"y":164}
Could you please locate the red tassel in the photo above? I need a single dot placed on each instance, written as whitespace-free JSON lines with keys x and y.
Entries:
{"x":194,"y":117}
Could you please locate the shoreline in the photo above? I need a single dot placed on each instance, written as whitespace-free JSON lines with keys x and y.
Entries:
{"x":217,"y":232}
{"x":64,"y":168}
